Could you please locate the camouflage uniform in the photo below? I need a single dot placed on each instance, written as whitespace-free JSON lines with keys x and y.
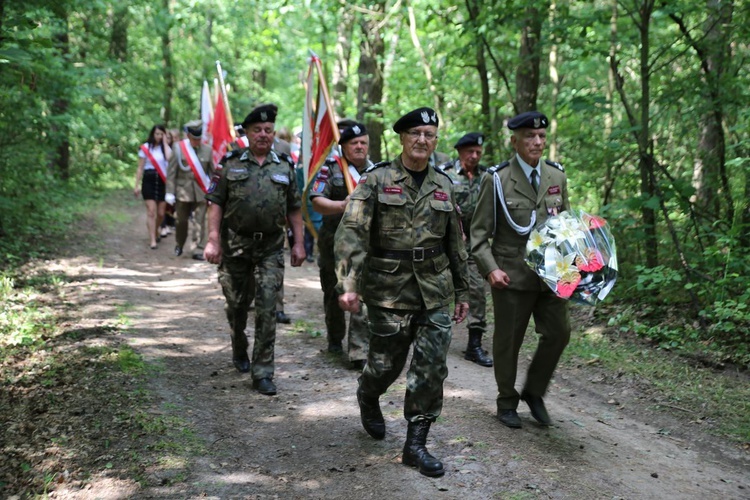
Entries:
{"x":330,"y":184}
{"x":400,"y":247}
{"x":467,"y":193}
{"x":255,"y":200}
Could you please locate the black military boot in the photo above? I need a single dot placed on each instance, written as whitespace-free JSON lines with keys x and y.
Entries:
{"x":415,"y":453}
{"x":474,"y":351}
{"x":371,"y":416}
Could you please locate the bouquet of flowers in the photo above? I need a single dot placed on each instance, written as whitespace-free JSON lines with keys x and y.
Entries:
{"x":574,"y":253}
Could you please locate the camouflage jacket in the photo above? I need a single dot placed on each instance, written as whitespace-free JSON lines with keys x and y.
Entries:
{"x":329,"y":183}
{"x":466,"y":190}
{"x":494,"y":243}
{"x":254,"y":198}
{"x":389,"y":212}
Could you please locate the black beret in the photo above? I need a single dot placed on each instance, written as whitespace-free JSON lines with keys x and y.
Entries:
{"x":470,"y":139}
{"x":529,"y":119}
{"x":416,"y":118}
{"x":356,"y":130}
{"x":194,"y":128}
{"x":261,"y":114}
{"x":345,"y":123}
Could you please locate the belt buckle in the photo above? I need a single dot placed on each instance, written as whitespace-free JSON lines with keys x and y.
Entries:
{"x":257,"y":236}
{"x":418,"y":254}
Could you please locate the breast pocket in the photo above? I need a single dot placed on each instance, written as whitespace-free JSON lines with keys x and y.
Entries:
{"x":392,"y":212}
{"x":553,"y":203}
{"x":440,"y":213}
{"x":237,"y":182}
{"x":520,"y":210}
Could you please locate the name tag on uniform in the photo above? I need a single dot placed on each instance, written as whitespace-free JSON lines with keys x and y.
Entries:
{"x":554,"y":190}
{"x":280,"y":178}
{"x":441,"y":196}
{"x":392,"y":190}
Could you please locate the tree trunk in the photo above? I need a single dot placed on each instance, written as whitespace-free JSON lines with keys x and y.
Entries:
{"x":527,"y":76}
{"x":645,"y":163}
{"x":370,"y":91}
{"x":709,"y":170}
{"x":168,"y":70}
{"x":340,"y":77}
{"x":486,"y":126}
{"x":118,"y":41}
{"x":554,"y":77}
{"x":60,"y":132}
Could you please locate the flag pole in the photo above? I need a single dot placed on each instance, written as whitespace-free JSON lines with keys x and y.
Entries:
{"x":223,"y":89}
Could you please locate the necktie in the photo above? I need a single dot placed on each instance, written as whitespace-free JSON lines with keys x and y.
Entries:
{"x":535,"y":180}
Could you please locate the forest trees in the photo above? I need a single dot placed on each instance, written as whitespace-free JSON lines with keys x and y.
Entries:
{"x":648,"y":101}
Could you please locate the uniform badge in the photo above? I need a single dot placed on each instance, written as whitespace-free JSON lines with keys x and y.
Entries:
{"x":537,"y":122}
{"x":280,"y":178}
{"x":264,"y":116}
{"x":479,"y":140}
{"x":211,"y":187}
{"x":362,"y":179}
{"x":441,"y":196}
{"x":425,"y":117}
{"x":244,"y":156}
{"x":391,"y":189}
{"x":318,"y":187}
{"x":356,"y":129}
{"x":554,"y":190}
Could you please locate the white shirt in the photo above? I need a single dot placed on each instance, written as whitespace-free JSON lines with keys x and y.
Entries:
{"x":158,"y":155}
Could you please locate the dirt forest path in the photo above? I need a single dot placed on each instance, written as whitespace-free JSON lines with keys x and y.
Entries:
{"x":307,"y":442}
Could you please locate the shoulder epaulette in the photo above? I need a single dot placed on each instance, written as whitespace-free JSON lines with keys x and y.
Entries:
{"x":231,"y":154}
{"x":555,"y":164}
{"x":287,"y":158}
{"x":440,"y":171}
{"x":447,"y":164}
{"x":497,"y":168}
{"x":378,"y":165}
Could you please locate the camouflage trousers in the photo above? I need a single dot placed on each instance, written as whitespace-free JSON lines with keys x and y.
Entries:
{"x":392,"y":332}
{"x":258,"y":271}
{"x":335,"y":319}
{"x":477,"y":320}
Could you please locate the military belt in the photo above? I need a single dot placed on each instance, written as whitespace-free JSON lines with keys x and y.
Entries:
{"x":416,"y":254}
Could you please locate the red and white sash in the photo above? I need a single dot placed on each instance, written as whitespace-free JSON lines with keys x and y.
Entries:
{"x":243,"y":141}
{"x":195,"y":164}
{"x":158,"y":166}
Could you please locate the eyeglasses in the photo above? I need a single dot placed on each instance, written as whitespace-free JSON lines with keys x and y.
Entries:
{"x":428,"y":136}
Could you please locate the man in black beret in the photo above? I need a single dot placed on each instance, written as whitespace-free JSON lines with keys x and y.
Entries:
{"x":467,"y":173}
{"x":399,"y":249}
{"x":329,"y":196}
{"x":533,"y":189}
{"x":253,"y":198}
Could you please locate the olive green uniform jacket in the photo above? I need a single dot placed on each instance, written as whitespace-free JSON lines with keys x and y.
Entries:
{"x":506,"y":249}
{"x":180,"y":178}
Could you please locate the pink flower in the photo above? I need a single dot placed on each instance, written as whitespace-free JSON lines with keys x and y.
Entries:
{"x":567,"y":285}
{"x":591,"y":262}
{"x":593,"y":221}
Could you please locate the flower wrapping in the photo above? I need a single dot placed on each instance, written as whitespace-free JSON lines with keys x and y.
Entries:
{"x":574,"y":253}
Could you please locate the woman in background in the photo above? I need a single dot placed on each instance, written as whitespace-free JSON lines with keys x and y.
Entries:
{"x":150,"y":177}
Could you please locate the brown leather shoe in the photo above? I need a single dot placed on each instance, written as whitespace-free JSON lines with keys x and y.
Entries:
{"x":509,"y":418}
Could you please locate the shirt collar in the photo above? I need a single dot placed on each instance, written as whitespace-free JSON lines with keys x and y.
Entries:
{"x":528,"y":168}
